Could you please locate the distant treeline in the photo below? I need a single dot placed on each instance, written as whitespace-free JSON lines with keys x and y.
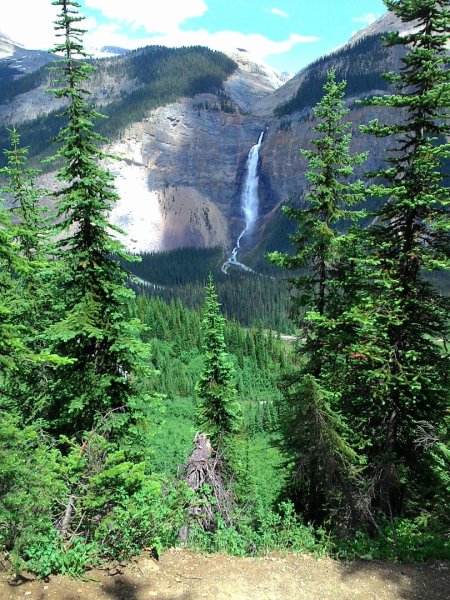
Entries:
{"x":163,"y":75}
{"x":182,"y":273}
{"x":13,"y":82}
{"x":360,"y":64}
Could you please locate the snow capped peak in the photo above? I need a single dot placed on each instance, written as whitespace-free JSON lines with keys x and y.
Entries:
{"x":253,"y":64}
{"x":105,"y":51}
{"x":7,"y":46}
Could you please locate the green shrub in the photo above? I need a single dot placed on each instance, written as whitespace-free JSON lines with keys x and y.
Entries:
{"x":119,"y":507}
{"x":406,"y":540}
{"x":270,"y":531}
{"x":51,"y":554}
{"x":31,"y":489}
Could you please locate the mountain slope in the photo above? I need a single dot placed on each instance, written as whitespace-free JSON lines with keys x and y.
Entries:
{"x":177,"y":123}
{"x":358,"y":46}
{"x":361,"y":62}
{"x":182,"y":122}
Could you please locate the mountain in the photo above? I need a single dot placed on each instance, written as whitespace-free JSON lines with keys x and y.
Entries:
{"x":18,"y":59}
{"x":359,"y":47}
{"x":182,"y":122}
{"x":178,"y":121}
{"x":186,"y":161}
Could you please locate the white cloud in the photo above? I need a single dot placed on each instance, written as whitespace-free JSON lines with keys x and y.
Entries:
{"x":366,"y":19}
{"x":154,"y":16}
{"x":29,"y":22}
{"x":153,"y":21}
{"x":255,"y":43}
{"x":276,"y":11}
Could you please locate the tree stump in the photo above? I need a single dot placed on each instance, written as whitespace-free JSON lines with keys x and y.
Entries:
{"x":205,"y":468}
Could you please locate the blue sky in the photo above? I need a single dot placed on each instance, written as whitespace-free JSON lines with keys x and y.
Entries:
{"x":286,"y":34}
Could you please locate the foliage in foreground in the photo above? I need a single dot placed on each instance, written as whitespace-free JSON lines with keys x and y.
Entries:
{"x":75,"y":489}
{"x":64,"y":509}
{"x":315,"y":436}
{"x":372,"y":375}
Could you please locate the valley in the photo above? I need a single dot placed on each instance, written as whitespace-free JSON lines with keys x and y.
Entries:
{"x":224,"y":309}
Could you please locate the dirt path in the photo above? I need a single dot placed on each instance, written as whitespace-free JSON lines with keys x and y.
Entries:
{"x":182,"y":575}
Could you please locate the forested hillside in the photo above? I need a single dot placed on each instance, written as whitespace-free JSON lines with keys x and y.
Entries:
{"x":157,"y":76}
{"x":360,"y":64}
{"x":145,"y":405}
{"x":13,"y":82}
{"x":182,"y":274}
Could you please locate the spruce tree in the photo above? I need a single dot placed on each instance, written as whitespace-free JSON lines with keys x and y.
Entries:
{"x":26,"y":198}
{"x":325,"y":465}
{"x":96,"y":333}
{"x":409,"y":239}
{"x":219,"y":411}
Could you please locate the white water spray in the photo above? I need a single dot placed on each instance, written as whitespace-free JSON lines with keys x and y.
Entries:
{"x":249,"y":204}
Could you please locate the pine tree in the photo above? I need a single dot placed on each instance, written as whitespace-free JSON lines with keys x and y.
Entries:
{"x":219,"y":411}
{"x":409,"y":238}
{"x":96,"y":333}
{"x":328,"y":203}
{"x":314,"y":434}
{"x":30,"y":230}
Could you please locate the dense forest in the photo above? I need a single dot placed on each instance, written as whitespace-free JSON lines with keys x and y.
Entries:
{"x":151,"y":404}
{"x":182,"y":273}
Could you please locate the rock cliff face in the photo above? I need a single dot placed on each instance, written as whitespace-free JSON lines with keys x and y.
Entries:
{"x":156,"y":216}
{"x":192,"y":159}
{"x":195,"y":154}
{"x":181,"y":168}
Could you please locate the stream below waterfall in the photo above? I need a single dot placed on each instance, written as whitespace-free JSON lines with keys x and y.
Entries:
{"x":249,"y":206}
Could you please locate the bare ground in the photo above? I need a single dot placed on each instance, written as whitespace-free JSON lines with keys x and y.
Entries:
{"x":183,"y":575}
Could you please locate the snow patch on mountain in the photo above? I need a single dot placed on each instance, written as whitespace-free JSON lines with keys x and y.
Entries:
{"x":138,"y":211}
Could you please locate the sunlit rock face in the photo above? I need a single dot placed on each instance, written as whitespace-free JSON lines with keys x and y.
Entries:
{"x":193,"y":154}
{"x":180,"y":170}
{"x":179,"y":175}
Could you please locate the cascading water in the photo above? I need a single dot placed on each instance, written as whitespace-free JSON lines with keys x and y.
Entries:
{"x":249,"y":205}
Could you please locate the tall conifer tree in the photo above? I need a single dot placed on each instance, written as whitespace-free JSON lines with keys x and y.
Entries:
{"x":31,"y":232}
{"x":409,"y":238}
{"x":219,"y":410}
{"x":96,"y":333}
{"x":12,"y":347}
{"x":314,"y":432}
{"x":35,"y":308}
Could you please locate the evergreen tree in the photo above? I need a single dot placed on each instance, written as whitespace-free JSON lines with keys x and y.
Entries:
{"x":409,"y":238}
{"x":12,"y":347}
{"x":31,"y":229}
{"x":219,"y":411}
{"x":35,"y":307}
{"x":96,"y":333}
{"x":314,"y":434}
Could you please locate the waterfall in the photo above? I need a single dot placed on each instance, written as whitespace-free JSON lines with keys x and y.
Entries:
{"x":249,"y":205}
